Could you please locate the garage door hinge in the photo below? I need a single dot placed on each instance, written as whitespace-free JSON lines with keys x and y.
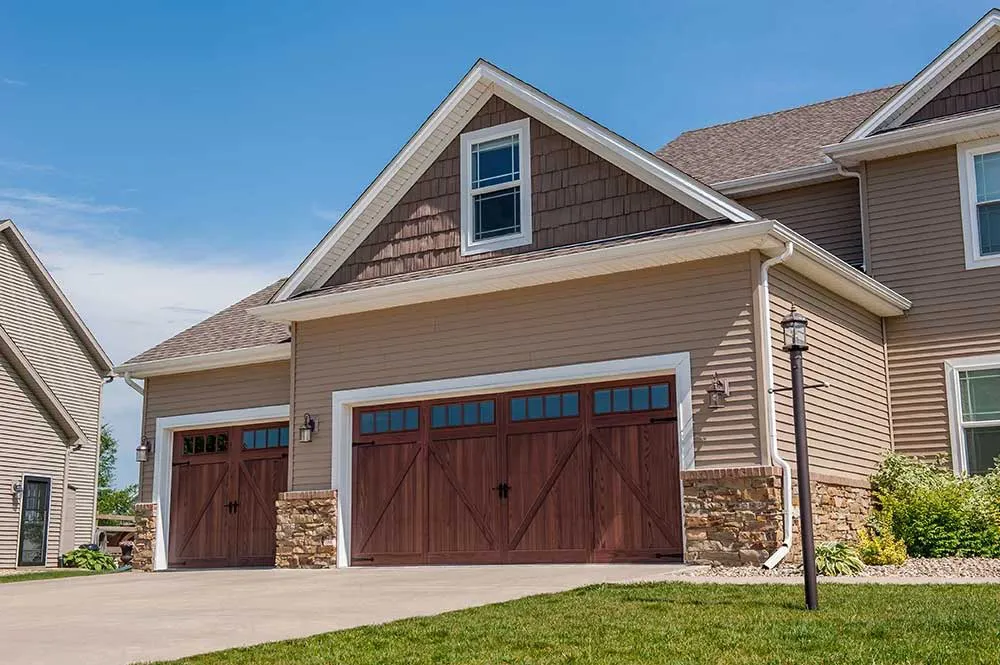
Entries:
{"x":364,"y":558}
{"x":663,"y":420}
{"x":359,"y":444}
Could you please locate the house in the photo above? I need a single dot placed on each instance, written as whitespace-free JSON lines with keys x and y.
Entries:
{"x":530,"y":340}
{"x":51,"y":374}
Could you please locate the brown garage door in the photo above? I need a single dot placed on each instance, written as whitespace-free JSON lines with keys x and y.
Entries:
{"x":222,"y":498}
{"x":569,"y":474}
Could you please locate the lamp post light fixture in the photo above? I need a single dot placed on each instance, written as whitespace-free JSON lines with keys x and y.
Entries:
{"x":143,"y":450}
{"x":307,"y":429}
{"x":794,"y":328}
{"x":718,"y":392}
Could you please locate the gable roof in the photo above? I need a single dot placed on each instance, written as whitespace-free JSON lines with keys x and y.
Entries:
{"x":55,"y":294}
{"x":772,"y":142}
{"x":231,"y":330}
{"x":933,"y":78}
{"x":440,"y":129}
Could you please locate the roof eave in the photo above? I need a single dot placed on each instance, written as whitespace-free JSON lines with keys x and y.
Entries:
{"x":800,"y":176}
{"x":252,"y":355}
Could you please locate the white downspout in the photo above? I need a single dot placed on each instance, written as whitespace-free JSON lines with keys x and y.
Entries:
{"x":132,"y":384}
{"x":863,"y":213}
{"x":772,"y":439}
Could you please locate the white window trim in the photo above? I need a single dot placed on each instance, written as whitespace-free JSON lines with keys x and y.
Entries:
{"x":163,"y":455}
{"x":344,"y":401}
{"x":521,"y":128}
{"x":952,"y":367}
{"x":967,"y":186}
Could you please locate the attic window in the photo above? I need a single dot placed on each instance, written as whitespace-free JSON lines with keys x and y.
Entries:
{"x":496,"y":187}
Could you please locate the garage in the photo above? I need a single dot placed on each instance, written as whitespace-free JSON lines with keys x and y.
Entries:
{"x":224,"y":484}
{"x":572,"y":474}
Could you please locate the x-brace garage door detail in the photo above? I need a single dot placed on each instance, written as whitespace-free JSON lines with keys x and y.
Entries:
{"x":570,"y":474}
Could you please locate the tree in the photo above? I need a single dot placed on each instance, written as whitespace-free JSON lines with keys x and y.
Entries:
{"x":111,"y":501}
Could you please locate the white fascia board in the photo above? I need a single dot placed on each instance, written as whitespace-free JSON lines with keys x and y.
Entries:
{"x":216,"y":360}
{"x":927,"y":84}
{"x":777,"y":180}
{"x":938,"y":134}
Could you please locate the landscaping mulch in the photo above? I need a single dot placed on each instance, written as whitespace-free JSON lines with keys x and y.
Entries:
{"x":951,"y":567}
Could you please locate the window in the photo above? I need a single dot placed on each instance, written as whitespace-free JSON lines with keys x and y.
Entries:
{"x":975,"y":399}
{"x":634,"y":398}
{"x":390,"y":420}
{"x":979,"y":178}
{"x":552,"y":405}
{"x":459,"y":414}
{"x":496,"y":187}
{"x":265,"y":437}
{"x":205,"y":444}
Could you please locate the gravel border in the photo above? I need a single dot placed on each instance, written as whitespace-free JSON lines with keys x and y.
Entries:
{"x":953,"y":568}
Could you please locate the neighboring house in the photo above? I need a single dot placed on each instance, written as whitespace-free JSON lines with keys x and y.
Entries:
{"x":506,"y":350}
{"x":51,"y":373}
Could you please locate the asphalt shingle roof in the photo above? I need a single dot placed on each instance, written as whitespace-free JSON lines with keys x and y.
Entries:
{"x":773,"y":142}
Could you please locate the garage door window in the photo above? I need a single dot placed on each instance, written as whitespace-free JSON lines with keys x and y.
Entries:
{"x":265,"y":437}
{"x":463,"y":414}
{"x":205,"y":444}
{"x":552,"y":405}
{"x":634,"y":398}
{"x":390,"y":420}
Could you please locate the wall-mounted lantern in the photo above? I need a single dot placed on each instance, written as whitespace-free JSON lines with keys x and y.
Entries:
{"x":793,"y":327}
{"x":17,"y":491}
{"x":307,"y":429}
{"x":718,"y":392}
{"x":143,"y":451}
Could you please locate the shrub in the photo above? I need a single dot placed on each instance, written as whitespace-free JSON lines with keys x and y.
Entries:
{"x":881,"y":548}
{"x":837,"y":559}
{"x":934,"y":512}
{"x":89,"y":560}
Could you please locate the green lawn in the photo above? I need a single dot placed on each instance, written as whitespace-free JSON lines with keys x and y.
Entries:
{"x":674,"y":623}
{"x":44,"y":575}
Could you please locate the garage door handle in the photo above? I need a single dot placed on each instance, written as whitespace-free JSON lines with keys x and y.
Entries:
{"x":503,"y":489}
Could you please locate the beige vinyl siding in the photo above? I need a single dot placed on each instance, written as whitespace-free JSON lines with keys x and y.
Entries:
{"x":917,"y":249}
{"x":828,"y":213}
{"x":52,"y":347}
{"x":246,"y":387}
{"x":847,"y":422}
{"x":30,"y":443}
{"x":703,"y":308}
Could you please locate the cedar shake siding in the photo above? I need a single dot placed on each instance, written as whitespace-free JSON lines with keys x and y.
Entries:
{"x":249,"y":386}
{"x":703,"y":308}
{"x":847,"y":422}
{"x":976,"y":89}
{"x":829,"y":214}
{"x":576,"y":196}
{"x":917,"y":249}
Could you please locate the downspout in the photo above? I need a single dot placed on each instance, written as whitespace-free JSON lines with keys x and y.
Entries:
{"x":772,"y":439}
{"x":132,"y":384}
{"x":863,"y":211}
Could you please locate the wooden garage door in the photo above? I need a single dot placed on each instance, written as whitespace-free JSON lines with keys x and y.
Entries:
{"x":223,"y":492}
{"x":570,"y":474}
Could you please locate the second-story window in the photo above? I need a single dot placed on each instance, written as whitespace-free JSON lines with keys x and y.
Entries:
{"x":979,"y":164}
{"x":496,"y":187}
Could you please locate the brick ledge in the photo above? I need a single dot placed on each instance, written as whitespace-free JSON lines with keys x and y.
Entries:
{"x":304,"y":495}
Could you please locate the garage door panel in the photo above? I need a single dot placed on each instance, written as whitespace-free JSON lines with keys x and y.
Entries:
{"x":261,"y":479}
{"x":200,"y":530}
{"x":462,"y":503}
{"x":388,"y":501}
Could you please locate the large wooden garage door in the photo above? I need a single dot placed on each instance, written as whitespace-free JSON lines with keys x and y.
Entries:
{"x":571,"y":474}
{"x":223,"y":492}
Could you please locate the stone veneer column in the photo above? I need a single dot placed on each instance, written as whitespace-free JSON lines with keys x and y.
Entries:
{"x":145,"y":537}
{"x":307,"y":529}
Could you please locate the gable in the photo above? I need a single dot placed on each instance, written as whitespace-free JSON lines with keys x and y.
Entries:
{"x":977,"y":88}
{"x":576,"y":197}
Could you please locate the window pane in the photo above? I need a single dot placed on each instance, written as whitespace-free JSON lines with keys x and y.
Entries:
{"x":661,"y":396}
{"x":486,"y":412}
{"x":247,"y":439}
{"x":497,"y":214}
{"x":439,"y":416}
{"x":571,"y":404}
{"x":553,"y":406}
{"x":602,"y":401}
{"x":210,"y":443}
{"x":621,"y":399}
{"x":534,"y":407}
{"x":222,"y":441}
{"x":495,"y":162}
{"x":396,"y":420}
{"x":640,"y":398}
{"x":989,"y":228}
{"x":260,"y":438}
{"x":982,"y":447}
{"x":381,"y":421}
{"x":283,"y":436}
{"x":470,"y":413}
{"x":367,"y":423}
{"x":188,"y":445}
{"x":987,"y":176}
{"x":980,"y":394}
{"x":412,"y":418}
{"x":454,"y":415}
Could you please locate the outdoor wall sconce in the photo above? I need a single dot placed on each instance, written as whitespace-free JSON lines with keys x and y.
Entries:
{"x":793,"y":328}
{"x":17,"y":491}
{"x":718,"y":392}
{"x":143,"y":450}
{"x":307,"y":429}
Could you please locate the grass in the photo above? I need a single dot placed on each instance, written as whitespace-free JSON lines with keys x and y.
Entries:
{"x":685,"y":624}
{"x":44,"y":575}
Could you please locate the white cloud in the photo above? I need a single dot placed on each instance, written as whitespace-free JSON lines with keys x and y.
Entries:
{"x":14,"y":165}
{"x":328,"y":214}
{"x":13,"y":82}
{"x":60,"y":203}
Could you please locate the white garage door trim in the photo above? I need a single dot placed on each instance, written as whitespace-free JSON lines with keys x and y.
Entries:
{"x":678,"y":364}
{"x":163,"y":453}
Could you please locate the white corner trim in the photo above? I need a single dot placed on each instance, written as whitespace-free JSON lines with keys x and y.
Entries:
{"x":678,"y":364}
{"x":214,"y":360}
{"x":970,"y":218}
{"x":163,"y":454}
{"x":952,"y":366}
{"x":522,"y":130}
{"x":931,"y":80}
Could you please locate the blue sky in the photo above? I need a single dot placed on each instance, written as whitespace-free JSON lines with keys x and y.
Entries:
{"x":165,"y":161}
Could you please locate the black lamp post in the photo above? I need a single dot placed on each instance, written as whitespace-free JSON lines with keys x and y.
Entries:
{"x":794,"y":327}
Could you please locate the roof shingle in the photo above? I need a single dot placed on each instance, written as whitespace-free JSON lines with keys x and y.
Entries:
{"x":773,"y":142}
{"x":232,"y":328}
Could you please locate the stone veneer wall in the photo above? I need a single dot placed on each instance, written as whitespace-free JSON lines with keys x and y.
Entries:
{"x":307,"y":529}
{"x":733,"y":516}
{"x":145,"y":537}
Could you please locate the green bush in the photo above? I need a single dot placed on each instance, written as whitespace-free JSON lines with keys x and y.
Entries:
{"x":837,"y":559}
{"x":879,"y":547}
{"x":936,"y":513}
{"x":89,"y":560}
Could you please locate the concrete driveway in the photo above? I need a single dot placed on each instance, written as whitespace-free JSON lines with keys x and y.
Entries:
{"x":118,"y":619}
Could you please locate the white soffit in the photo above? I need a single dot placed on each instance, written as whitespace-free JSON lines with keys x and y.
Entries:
{"x":252,"y":355}
{"x":441,"y":128}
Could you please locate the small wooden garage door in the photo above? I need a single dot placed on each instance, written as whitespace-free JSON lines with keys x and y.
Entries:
{"x":222,"y":495}
{"x":586,"y":473}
